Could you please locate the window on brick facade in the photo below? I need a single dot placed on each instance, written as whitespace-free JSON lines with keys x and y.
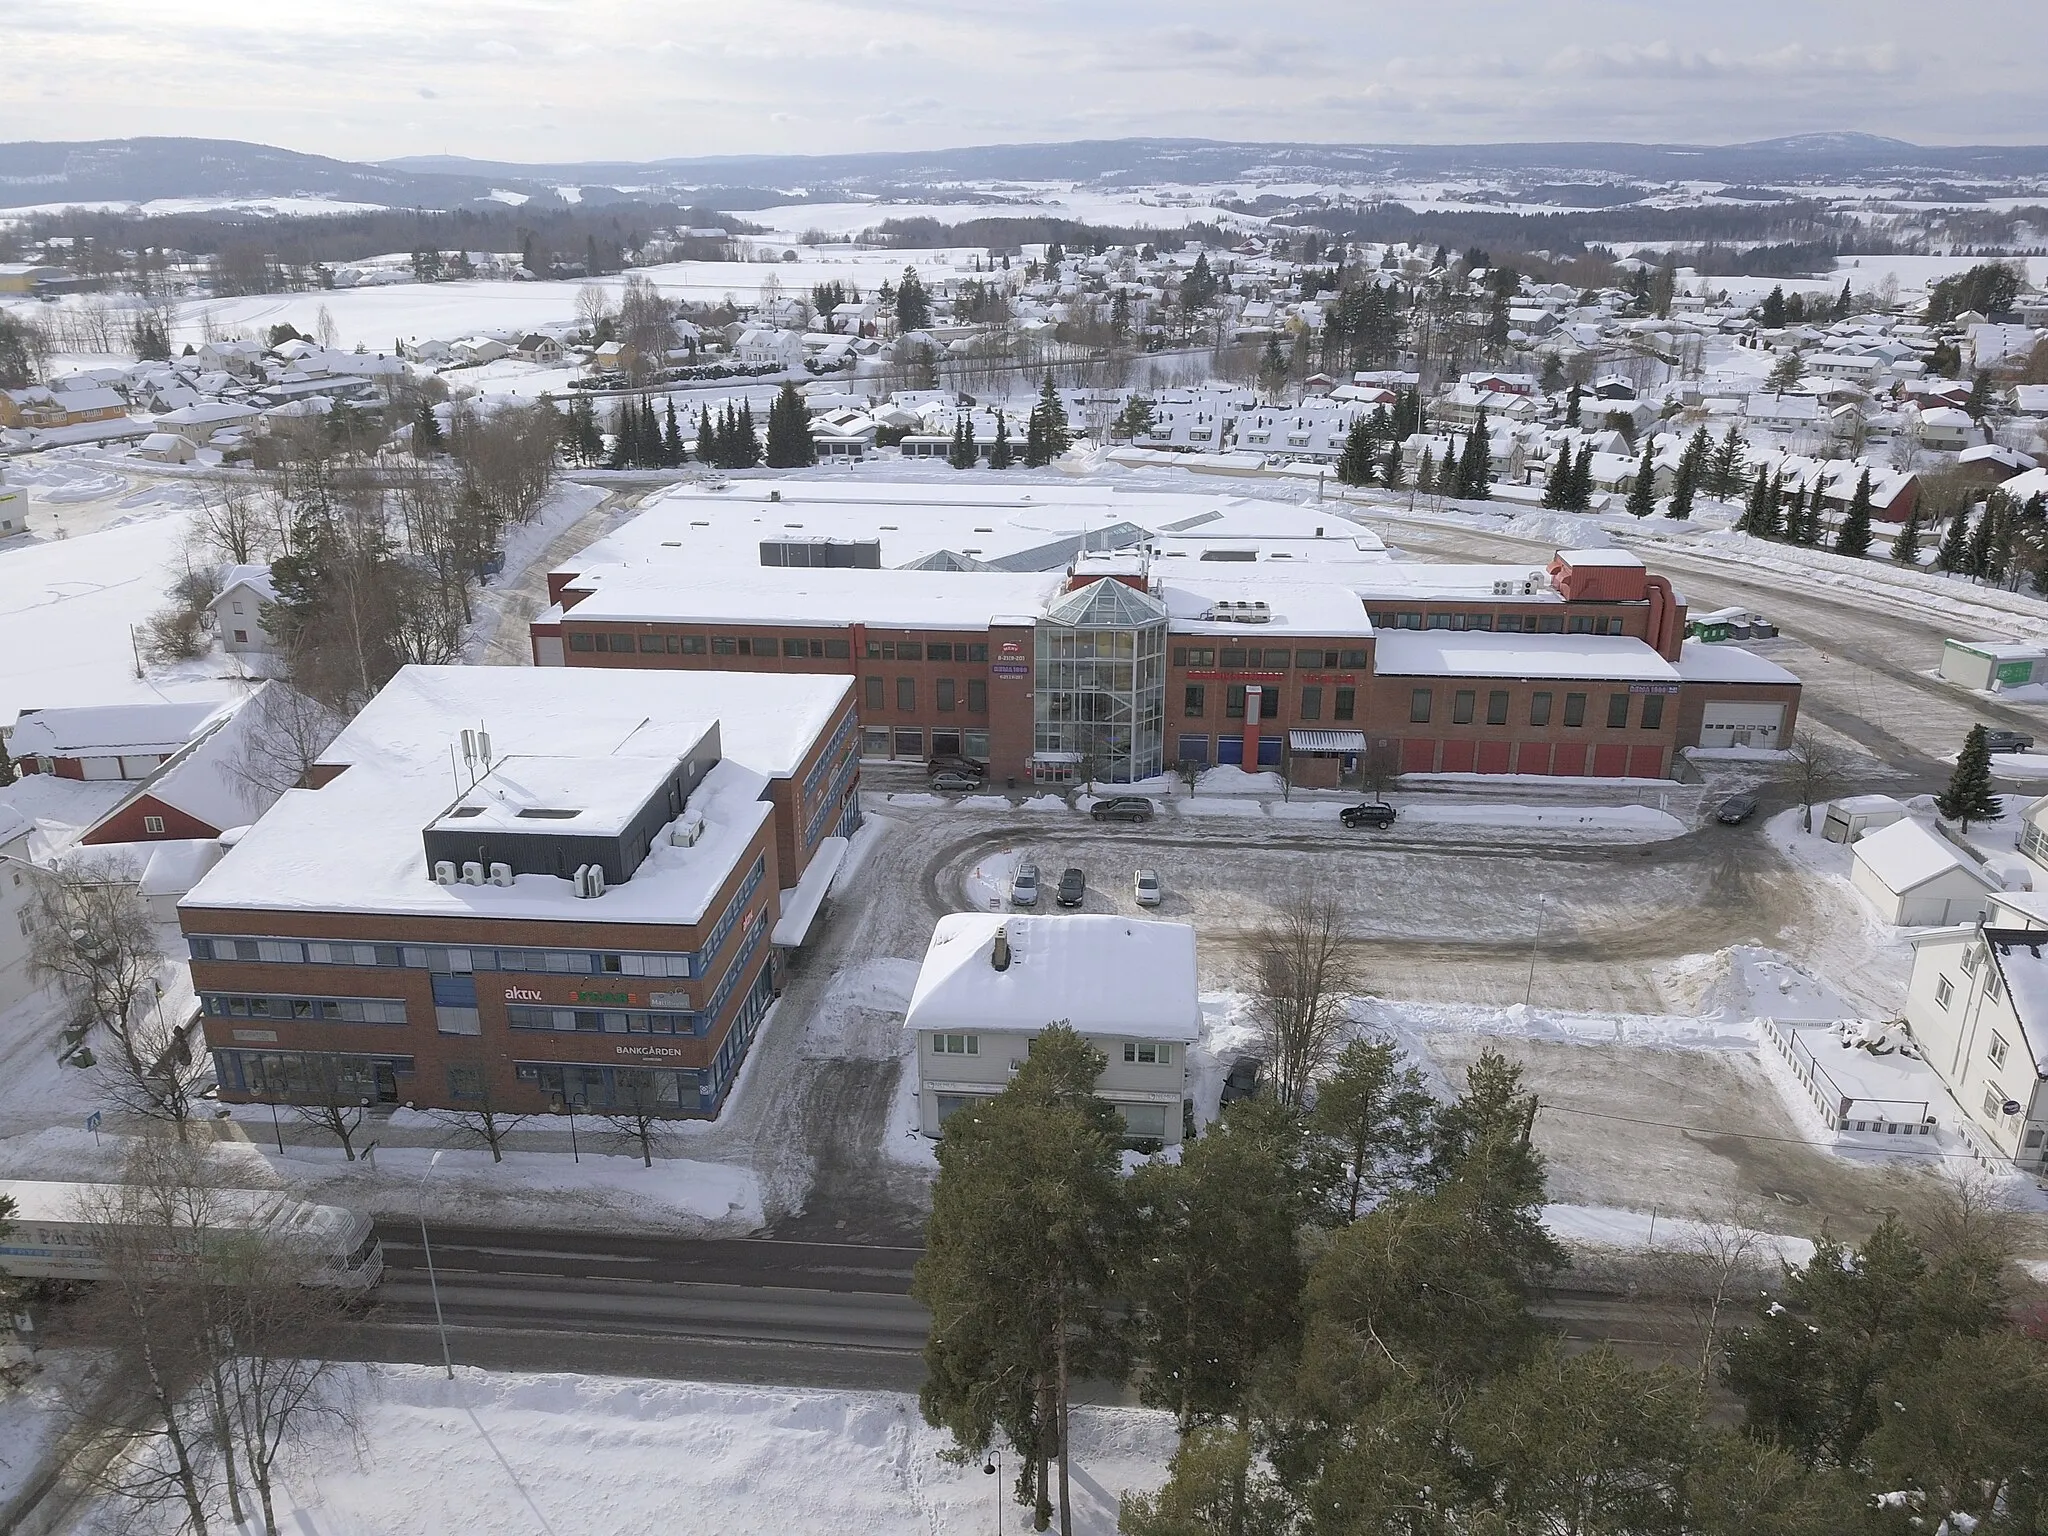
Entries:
{"x":1497,"y":707}
{"x":837,"y":650}
{"x":949,"y":694}
{"x":1194,"y":700}
{"x":1617,"y":711}
{"x":939,"y":650}
{"x":910,"y":650}
{"x":1575,"y":710}
{"x":978,"y":651}
{"x":724,"y":645}
{"x":1653,"y":711}
{"x":906,"y":695}
{"x":581,"y":642}
{"x":1463,"y":703}
{"x":152,"y":823}
{"x":1276,"y":661}
{"x":1234,"y":660}
{"x":1311,"y":703}
{"x":1539,"y":709}
{"x":1347,"y":705}
{"x":694,"y":645}
{"x":977,"y":696}
{"x":651,"y":645}
{"x":873,"y":689}
{"x":1233,"y":702}
{"x":1419,"y":702}
{"x":1354,"y":659}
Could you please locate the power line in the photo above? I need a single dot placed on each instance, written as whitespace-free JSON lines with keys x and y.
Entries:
{"x":1697,"y":1130}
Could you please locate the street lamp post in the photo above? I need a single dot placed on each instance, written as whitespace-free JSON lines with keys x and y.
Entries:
{"x":433,"y":1283}
{"x":994,"y":1468}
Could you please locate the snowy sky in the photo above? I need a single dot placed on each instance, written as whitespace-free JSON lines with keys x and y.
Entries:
{"x":545,"y":80}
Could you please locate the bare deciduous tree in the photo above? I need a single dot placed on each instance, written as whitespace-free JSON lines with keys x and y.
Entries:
{"x":1815,"y":769}
{"x":233,"y":523}
{"x":1379,"y":768}
{"x":483,"y":1118}
{"x":640,"y":1119}
{"x":329,"y":1095}
{"x":90,"y":934}
{"x":1300,"y":974}
{"x":593,"y":306}
{"x":1716,"y":1265}
{"x":283,"y":734}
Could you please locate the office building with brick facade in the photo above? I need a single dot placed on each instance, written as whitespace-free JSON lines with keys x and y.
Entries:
{"x":528,"y":889}
{"x":1115,"y":639}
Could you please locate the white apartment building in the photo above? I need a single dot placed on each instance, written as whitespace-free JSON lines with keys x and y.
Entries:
{"x":991,"y":981}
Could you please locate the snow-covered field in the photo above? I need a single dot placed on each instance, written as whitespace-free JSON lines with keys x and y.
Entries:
{"x":490,"y":1454}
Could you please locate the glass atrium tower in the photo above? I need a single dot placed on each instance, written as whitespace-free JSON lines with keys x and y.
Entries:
{"x":1099,"y":693}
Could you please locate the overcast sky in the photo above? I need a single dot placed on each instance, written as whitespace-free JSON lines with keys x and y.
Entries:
{"x":544,"y":80}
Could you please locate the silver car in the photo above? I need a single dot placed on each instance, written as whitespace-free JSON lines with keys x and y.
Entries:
{"x":1147,"y":889}
{"x":1024,"y":886}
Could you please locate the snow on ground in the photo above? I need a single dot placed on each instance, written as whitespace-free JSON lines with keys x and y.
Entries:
{"x":34,"y":1393}
{"x":1591,"y":1226}
{"x":491,"y":1453}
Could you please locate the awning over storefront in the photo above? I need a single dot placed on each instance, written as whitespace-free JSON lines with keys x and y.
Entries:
{"x":800,"y":903}
{"x":1326,"y":741}
{"x":1056,"y":757}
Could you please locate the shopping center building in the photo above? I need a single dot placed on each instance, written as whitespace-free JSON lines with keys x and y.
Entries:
{"x":528,"y":889}
{"x":1066,"y":633}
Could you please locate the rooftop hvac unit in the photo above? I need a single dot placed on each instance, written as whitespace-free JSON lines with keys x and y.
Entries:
{"x":689,"y":827}
{"x":472,"y":872}
{"x":589,"y":881}
{"x":501,"y":874}
{"x":1506,"y":588}
{"x":444,"y":872}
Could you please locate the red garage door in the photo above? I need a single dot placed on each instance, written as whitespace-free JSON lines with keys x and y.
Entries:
{"x":1646,"y":762}
{"x":1418,"y":756}
{"x":1610,"y":762}
{"x":1458,"y":756}
{"x":1569,"y":761}
{"x":1493,"y":757}
{"x":1533,"y":757}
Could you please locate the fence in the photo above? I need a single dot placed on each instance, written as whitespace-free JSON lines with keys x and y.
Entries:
{"x":1841,"y":1110}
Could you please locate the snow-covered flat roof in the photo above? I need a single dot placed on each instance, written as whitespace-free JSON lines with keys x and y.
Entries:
{"x":355,"y":844}
{"x":1395,"y":581}
{"x":1700,"y":662}
{"x":1107,"y":977}
{"x":1293,"y":607}
{"x":1477,"y":653}
{"x":799,"y":596}
{"x":109,"y":730}
{"x":1619,"y":559}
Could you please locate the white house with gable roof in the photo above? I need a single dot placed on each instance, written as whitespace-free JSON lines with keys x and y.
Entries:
{"x":991,"y":981}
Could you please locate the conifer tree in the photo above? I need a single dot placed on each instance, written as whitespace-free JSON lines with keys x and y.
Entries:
{"x":1425,"y":472}
{"x":1952,"y":556}
{"x":1795,"y":514}
{"x":1686,"y":482}
{"x":1057,"y":438}
{"x":427,"y":436}
{"x":746,"y":444}
{"x":1906,"y":543}
{"x":1355,"y":463}
{"x":1969,"y":796}
{"x":1557,"y":485}
{"x":625,"y":427}
{"x":1475,"y":463}
{"x":1582,"y":480}
{"x":1978,"y":561}
{"x":790,"y":445}
{"x":1000,"y":455}
{"x":8,"y":772}
{"x":1391,"y":471}
{"x":1853,"y":537}
{"x":1756,"y":519}
{"x":1571,"y":408}
{"x":1035,"y":456}
{"x":672,"y":454}
{"x":707,"y":438}
{"x":1845,"y":303}
{"x":1725,"y":471}
{"x":1642,"y":496}
{"x":1773,"y":312}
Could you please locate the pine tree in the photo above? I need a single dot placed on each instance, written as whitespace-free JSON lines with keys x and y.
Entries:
{"x":1000,"y":455}
{"x":790,"y":445}
{"x":1952,"y":557}
{"x":1355,"y":463}
{"x":707,"y":438}
{"x":1969,"y":796}
{"x":1582,"y":480}
{"x":625,"y":427}
{"x":1557,"y":485}
{"x":1571,"y":408}
{"x":1759,"y":517}
{"x":1057,"y":438}
{"x":1685,"y":483}
{"x":1035,"y":456}
{"x":1773,"y":312}
{"x":746,"y":444}
{"x":1642,"y":496}
{"x":1425,"y":472}
{"x":1796,"y":515}
{"x":1853,"y":537}
{"x":1846,"y":303}
{"x":965,"y":453}
{"x":1725,"y":470}
{"x":672,"y":453}
{"x":1475,"y":463}
{"x":1392,"y":473}
{"x":427,"y":436}
{"x":1906,"y":543}
{"x":1977,"y":561}
{"x":1979,"y":403}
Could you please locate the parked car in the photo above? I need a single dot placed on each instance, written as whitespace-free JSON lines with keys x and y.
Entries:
{"x":1147,"y":890}
{"x":1374,"y":813}
{"x":1072,"y":887}
{"x":1024,"y":886}
{"x":948,"y":762}
{"x":1242,"y":1081}
{"x":1735,"y":810}
{"x":954,"y":783}
{"x":2007,"y":741}
{"x":1123,"y":808}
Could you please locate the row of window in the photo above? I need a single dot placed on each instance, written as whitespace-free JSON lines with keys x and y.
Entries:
{"x":318,"y":1077}
{"x":1234,"y":659}
{"x":1147,"y":1052}
{"x":455,"y":959}
{"x":920,"y":650}
{"x":607,"y":1021}
{"x":1343,"y":702}
{"x":1506,"y":623}
{"x":1465,"y":704}
{"x":946,"y":695}
{"x":763,"y":646}
{"x":324,"y":1010}
{"x":903,"y":741}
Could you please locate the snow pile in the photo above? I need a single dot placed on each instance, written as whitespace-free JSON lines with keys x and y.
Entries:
{"x":1409,"y":1022}
{"x":1228,"y":779}
{"x":1600,"y":1226}
{"x":490,"y":1453}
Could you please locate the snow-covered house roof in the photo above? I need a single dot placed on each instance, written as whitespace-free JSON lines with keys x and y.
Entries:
{"x":1908,"y":855}
{"x":1116,"y":977}
{"x":107,"y":730}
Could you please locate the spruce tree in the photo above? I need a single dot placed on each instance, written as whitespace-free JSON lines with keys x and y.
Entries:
{"x":1582,"y":480}
{"x":1642,"y":496}
{"x":1571,"y":408}
{"x":1773,"y":313}
{"x":1845,"y":303}
{"x":1796,"y":515}
{"x":790,"y":445}
{"x":1354,"y":464}
{"x":1725,"y":471}
{"x":1392,"y":472}
{"x":1977,"y":561}
{"x":625,"y":426}
{"x":1035,"y":456}
{"x":1906,"y":543}
{"x":1475,"y":464}
{"x":1057,"y":438}
{"x":1557,"y":485}
{"x":1853,"y":537}
{"x":1969,"y":796}
{"x":8,"y":772}
{"x":1425,"y":472}
{"x":1000,"y":455}
{"x":746,"y":444}
{"x":426,"y":432}
{"x":707,"y":438}
{"x":1952,"y":556}
{"x":672,"y":454}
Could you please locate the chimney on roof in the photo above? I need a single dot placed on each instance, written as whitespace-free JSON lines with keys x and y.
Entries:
{"x":999,"y":957}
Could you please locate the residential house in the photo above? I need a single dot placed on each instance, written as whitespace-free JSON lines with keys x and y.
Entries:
{"x":1944,"y":429}
{"x":17,"y":891}
{"x":473,"y":350}
{"x":203,"y":789}
{"x":238,"y":611}
{"x":990,"y":982}
{"x":536,"y":348}
{"x":1917,"y":878}
{"x":39,"y":407}
{"x":166,"y":448}
{"x":114,"y":741}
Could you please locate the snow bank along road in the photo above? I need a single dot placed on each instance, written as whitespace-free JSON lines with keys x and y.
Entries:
{"x":1864,"y":665}
{"x":747,"y":1309}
